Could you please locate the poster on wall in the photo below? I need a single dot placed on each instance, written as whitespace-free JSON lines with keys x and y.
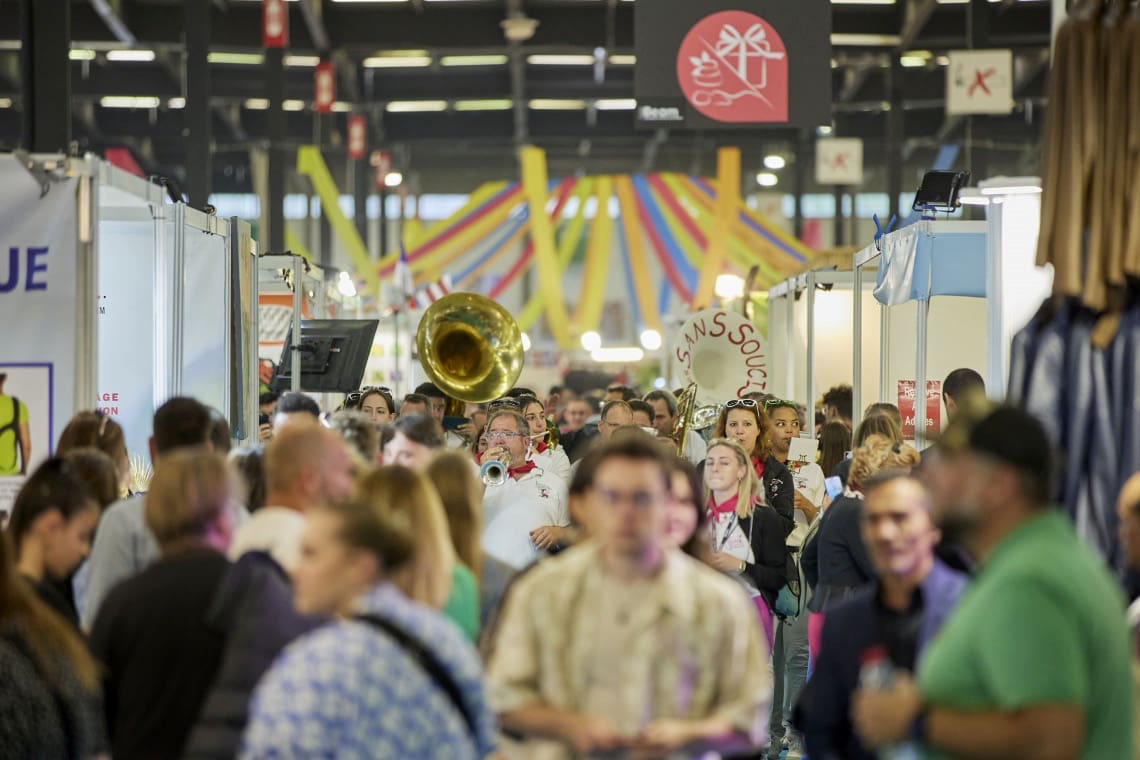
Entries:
{"x":37,"y":309}
{"x":933,"y":407}
{"x":732,"y":63}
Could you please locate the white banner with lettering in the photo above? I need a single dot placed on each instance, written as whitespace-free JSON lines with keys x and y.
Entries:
{"x":38,"y":255}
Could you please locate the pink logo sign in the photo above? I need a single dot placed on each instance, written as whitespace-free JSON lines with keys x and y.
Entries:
{"x":733,"y":67}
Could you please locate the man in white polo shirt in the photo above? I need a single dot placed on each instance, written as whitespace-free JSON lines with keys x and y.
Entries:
{"x":528,"y":511}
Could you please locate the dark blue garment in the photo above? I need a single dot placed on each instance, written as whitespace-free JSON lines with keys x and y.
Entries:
{"x":851,"y":627}
{"x":836,"y":555}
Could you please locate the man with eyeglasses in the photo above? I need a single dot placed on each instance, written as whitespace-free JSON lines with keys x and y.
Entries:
{"x":526,"y":513}
{"x":623,"y":644}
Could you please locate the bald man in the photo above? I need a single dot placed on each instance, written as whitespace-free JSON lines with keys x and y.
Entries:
{"x":305,"y":464}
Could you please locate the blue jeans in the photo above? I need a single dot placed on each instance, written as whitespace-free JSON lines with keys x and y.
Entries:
{"x":789,"y":669}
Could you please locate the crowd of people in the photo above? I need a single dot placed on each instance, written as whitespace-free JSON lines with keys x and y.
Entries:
{"x":560,"y":576}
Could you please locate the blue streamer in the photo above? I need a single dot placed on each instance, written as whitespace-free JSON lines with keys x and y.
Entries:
{"x":687,"y":271}
{"x":509,"y":229}
{"x":663,"y":296}
{"x":628,"y":274}
{"x":754,"y":226}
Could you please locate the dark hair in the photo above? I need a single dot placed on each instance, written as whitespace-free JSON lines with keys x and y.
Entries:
{"x":884,"y":409}
{"x":842,"y":398}
{"x":249,"y":461}
{"x":637,"y":405}
{"x":772,"y":404}
{"x":520,"y":392}
{"x":295,"y":401}
{"x":97,"y":472}
{"x":53,"y":485}
{"x":627,"y":394}
{"x":96,"y":430}
{"x":834,"y":443}
{"x":268,"y":397}
{"x":421,"y":429}
{"x":582,"y":477}
{"x":1017,"y":439}
{"x":593,"y":402}
{"x":669,"y":399}
{"x":387,"y":433}
{"x":877,"y":424}
{"x":887,"y":476}
{"x":697,"y":545}
{"x":179,"y":422}
{"x":962,"y":382}
{"x":221,"y":438}
{"x":430,"y":390}
{"x":555,"y":389}
{"x":391,"y":402}
{"x":415,"y":398}
{"x":640,"y":448}
{"x":616,"y":404}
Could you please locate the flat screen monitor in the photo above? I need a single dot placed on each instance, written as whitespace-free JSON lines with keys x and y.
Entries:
{"x":332,"y":355}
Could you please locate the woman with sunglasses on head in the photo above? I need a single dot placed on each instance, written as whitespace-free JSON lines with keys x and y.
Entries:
{"x":375,"y":401}
{"x":745,"y":421}
{"x":747,"y":534}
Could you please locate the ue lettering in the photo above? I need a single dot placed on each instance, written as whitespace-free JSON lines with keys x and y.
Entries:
{"x":32,"y":267}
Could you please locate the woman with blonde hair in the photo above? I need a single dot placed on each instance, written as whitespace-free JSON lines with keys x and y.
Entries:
{"x":745,"y":421}
{"x":748,"y":535}
{"x":835,"y":561}
{"x":432,"y":576}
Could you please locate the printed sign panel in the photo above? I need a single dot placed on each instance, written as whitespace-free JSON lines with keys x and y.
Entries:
{"x":732,"y":63}
{"x":933,"y":407}
{"x":839,"y":161}
{"x":979,"y":82}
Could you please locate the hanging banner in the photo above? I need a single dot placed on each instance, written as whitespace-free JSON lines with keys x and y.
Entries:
{"x":979,"y":82}
{"x":933,"y":407}
{"x":732,"y":63}
{"x":324,"y":87}
{"x":274,"y":24}
{"x":38,"y":255}
{"x":724,"y":354}
{"x":357,"y":136}
{"x":839,"y":161}
{"x":381,"y":161}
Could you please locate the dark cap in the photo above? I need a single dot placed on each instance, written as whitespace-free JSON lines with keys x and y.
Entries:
{"x":1016,"y":438}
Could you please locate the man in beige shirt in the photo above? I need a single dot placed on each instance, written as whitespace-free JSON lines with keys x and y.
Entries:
{"x":623,"y":644}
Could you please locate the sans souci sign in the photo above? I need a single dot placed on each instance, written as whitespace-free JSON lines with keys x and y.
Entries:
{"x":723,"y":353}
{"x":733,"y":63}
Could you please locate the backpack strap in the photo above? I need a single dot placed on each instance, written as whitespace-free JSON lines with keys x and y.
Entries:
{"x":427,"y":660}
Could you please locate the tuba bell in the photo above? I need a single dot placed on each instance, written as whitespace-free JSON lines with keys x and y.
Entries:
{"x":470,"y":347}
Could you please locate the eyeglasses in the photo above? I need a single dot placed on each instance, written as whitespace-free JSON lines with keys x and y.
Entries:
{"x":639,"y":499}
{"x":491,"y":434}
{"x":748,"y":403}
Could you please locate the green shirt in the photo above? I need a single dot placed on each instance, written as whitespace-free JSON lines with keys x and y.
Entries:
{"x":1042,"y":623}
{"x":462,"y":606}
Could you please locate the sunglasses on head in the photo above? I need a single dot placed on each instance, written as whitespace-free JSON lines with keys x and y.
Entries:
{"x":748,"y":403}
{"x":507,"y":402}
{"x":357,"y":395}
{"x":780,"y":402}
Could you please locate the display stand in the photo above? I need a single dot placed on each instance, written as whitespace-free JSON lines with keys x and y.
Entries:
{"x":810,"y":335}
{"x":945,"y":259}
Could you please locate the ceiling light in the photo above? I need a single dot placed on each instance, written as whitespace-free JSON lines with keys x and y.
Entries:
{"x":620,"y":355}
{"x":767,"y":179}
{"x":623,"y":60}
{"x":293,"y":105}
{"x":615,"y":104}
{"x":176,"y":103}
{"x":864,"y":2}
{"x":393,"y":179}
{"x":865,"y":40}
{"x":591,"y":341}
{"x":5,"y":102}
{"x":555,"y":104}
{"x":397,"y":62}
{"x":236,"y":59}
{"x":128,"y":101}
{"x":942,"y":60}
{"x":473,"y":60}
{"x":775,"y":162}
{"x":308,"y":61}
{"x":80,"y":54}
{"x":824,"y":131}
{"x":546,"y":59}
{"x":912,"y":62}
{"x":484,"y":105}
{"x":342,"y":107}
{"x":415,"y":106}
{"x":257,"y":104}
{"x":729,"y":287}
{"x":650,"y":340}
{"x":136,"y":56}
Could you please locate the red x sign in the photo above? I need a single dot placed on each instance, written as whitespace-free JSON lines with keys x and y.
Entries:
{"x":980,"y":77}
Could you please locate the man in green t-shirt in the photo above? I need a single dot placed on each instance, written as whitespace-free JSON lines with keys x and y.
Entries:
{"x":1034,"y":662}
{"x":15,"y":435}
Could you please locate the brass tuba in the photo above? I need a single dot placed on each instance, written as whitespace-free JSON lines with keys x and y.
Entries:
{"x":470,"y":347}
{"x":692,"y":417}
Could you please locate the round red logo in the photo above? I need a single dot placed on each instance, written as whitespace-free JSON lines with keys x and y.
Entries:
{"x":733,"y":67}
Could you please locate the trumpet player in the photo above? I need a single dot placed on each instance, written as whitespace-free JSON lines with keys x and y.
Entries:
{"x":526,"y":512}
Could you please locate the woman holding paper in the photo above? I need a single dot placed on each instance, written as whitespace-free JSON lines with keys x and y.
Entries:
{"x":798,"y":455}
{"x":743,"y":420}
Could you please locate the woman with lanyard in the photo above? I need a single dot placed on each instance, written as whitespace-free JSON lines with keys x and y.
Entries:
{"x":743,"y":420}
{"x":747,"y":533}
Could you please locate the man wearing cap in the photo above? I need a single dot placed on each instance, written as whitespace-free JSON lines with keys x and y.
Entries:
{"x":15,"y":435}
{"x":1034,"y":662}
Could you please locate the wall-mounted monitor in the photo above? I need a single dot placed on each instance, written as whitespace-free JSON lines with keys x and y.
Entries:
{"x":332,"y":355}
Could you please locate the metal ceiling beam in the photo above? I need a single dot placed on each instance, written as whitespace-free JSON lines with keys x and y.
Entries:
{"x":111,"y":18}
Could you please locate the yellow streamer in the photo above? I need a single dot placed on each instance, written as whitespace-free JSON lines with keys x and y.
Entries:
{"x":591,"y":301}
{"x":312,"y":164}
{"x":534,"y":179}
{"x":638,"y":263}
{"x":440,"y":259}
{"x":727,"y":203}
{"x":510,"y":243}
{"x":566,"y":247}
